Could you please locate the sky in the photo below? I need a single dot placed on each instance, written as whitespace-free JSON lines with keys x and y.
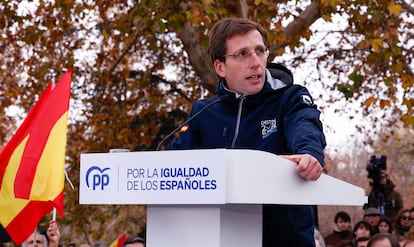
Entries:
{"x":338,"y":127}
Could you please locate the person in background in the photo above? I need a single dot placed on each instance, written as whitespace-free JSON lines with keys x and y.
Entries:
{"x":402,"y":222}
{"x":384,"y":196}
{"x":319,"y":242}
{"x":361,"y":241}
{"x":53,"y":234}
{"x":361,"y":229}
{"x":346,"y":243}
{"x":372,"y":216}
{"x":342,"y":230}
{"x":134,"y":242}
{"x":257,"y":106}
{"x":412,"y":215}
{"x":4,"y":237}
{"x":36,"y":239}
{"x":50,"y":239}
{"x":384,"y":225}
{"x":383,"y":240}
{"x":409,"y":236}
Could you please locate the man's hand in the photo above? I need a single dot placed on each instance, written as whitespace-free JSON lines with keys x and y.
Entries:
{"x":53,"y":234}
{"x":307,"y":167}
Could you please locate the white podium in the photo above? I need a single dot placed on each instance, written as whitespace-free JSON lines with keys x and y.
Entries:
{"x":208,"y":197}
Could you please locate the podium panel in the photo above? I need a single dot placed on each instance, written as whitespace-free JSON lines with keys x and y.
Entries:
{"x":207,"y":176}
{"x":208,"y":197}
{"x":204,"y":226}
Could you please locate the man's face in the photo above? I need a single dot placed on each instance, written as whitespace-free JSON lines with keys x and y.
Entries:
{"x":245,"y":76}
{"x":343,"y":225}
{"x":383,"y":178}
{"x":362,"y":232}
{"x":372,"y":219}
{"x":35,"y":240}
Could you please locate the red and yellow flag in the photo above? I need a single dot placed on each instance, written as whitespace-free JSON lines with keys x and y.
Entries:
{"x":32,"y":163}
{"x":119,"y":241}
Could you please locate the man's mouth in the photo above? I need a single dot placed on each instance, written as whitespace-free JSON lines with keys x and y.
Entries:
{"x":253,"y":77}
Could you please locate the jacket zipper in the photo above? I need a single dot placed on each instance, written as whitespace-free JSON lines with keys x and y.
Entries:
{"x":236,"y":131}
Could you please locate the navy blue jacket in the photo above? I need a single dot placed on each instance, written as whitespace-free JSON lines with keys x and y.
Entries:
{"x":282,"y":119}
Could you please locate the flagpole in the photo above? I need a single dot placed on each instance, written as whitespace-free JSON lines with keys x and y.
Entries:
{"x":54,"y":214}
{"x":54,"y":209}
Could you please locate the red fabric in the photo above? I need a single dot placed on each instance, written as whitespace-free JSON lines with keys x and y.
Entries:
{"x":51,"y":106}
{"x":120,"y":240}
{"x":23,"y":224}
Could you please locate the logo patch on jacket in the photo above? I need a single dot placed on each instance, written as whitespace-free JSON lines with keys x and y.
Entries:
{"x":307,"y":100}
{"x":268,"y":127}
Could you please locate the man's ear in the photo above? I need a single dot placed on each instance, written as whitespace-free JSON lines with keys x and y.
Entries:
{"x":220,"y":68}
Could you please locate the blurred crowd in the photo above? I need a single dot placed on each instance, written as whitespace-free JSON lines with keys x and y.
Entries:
{"x":51,"y":238}
{"x":399,"y":229}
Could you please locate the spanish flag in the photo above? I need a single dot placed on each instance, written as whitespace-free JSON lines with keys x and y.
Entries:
{"x":32,"y":163}
{"x":119,"y":241}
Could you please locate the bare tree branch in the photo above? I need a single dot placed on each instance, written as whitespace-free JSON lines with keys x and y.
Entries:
{"x":198,"y":56}
{"x":303,"y":22}
{"x":406,"y":6}
{"x":242,"y":8}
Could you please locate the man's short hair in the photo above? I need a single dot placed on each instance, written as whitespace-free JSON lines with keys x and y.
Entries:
{"x":133,"y":240}
{"x":225,"y":29}
{"x":342,"y":215}
{"x":44,"y":238}
{"x":362,"y":239}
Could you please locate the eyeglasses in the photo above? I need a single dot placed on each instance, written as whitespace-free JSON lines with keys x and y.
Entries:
{"x":244,"y":55}
{"x":404,"y":217}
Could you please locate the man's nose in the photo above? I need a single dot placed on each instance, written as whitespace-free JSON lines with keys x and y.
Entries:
{"x":254,"y":59}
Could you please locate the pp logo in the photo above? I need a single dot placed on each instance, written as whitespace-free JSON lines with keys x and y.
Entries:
{"x":98,"y":177}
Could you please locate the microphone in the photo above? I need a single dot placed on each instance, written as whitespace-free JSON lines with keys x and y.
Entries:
{"x":219,"y":99}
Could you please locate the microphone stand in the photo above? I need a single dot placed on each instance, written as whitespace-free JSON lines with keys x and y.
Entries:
{"x":189,"y":120}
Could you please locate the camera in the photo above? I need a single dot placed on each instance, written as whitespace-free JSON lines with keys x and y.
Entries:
{"x":377,"y":163}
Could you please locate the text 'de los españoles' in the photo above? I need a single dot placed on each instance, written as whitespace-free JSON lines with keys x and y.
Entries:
{"x":186,"y":178}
